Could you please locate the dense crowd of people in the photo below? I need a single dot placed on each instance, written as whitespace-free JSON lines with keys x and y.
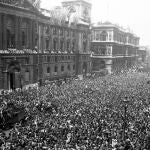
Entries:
{"x":102,"y":113}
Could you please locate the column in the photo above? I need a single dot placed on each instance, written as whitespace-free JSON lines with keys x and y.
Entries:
{"x":1,"y":29}
{"x":16,"y":32}
{"x":30,"y":34}
{"x":112,"y":35}
{"x":33,"y":34}
{"x":19,"y":34}
{"x":4,"y":33}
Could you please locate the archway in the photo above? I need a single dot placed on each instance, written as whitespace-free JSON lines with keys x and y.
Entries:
{"x":103,"y":36}
{"x":102,"y":64}
{"x":84,"y":68}
{"x":14,"y":80}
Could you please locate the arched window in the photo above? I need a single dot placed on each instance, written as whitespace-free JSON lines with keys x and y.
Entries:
{"x":55,"y":69}
{"x":73,"y":46}
{"x":54,"y":31}
{"x":61,"y":45}
{"x":55,"y":44}
{"x":68,"y":46}
{"x":97,"y":36}
{"x":27,"y":76}
{"x":23,"y":38}
{"x":48,"y":69}
{"x":84,"y":46}
{"x":74,"y":67}
{"x":13,"y":40}
{"x":103,"y":36}
{"x":68,"y":67}
{"x":47,"y":44}
{"x":8,"y":38}
{"x":62,"y":68}
{"x":102,"y":65}
{"x":103,"y":50}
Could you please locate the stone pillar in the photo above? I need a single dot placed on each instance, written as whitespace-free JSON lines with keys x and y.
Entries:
{"x":4,"y":33}
{"x":16,"y":32}
{"x":109,"y":66}
{"x":33,"y":34}
{"x":30,"y":34}
{"x":1,"y":29}
{"x":19,"y":34}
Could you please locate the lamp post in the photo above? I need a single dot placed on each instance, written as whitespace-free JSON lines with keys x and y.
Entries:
{"x":125,"y":102}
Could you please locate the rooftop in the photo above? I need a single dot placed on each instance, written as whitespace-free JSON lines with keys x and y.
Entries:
{"x":111,"y":25}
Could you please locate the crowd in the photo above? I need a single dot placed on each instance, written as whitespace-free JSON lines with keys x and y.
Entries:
{"x":102,"y":113}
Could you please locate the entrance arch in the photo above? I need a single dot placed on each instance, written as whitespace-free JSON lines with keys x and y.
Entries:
{"x":84,"y":68}
{"x":14,"y":75}
{"x":102,"y":64}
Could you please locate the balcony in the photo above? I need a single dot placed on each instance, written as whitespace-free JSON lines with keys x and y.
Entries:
{"x":116,"y":42}
{"x":111,"y":56}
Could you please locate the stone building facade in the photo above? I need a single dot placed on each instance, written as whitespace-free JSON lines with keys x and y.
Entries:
{"x":33,"y":49}
{"x":113,"y":48}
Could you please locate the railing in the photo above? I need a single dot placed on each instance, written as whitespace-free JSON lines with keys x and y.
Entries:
{"x":30,"y":51}
{"x":15,"y":51}
{"x":116,"y":55}
{"x":118,"y":42}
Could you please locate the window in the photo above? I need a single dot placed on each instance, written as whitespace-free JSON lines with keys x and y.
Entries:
{"x":23,"y":38}
{"x":68,"y":67}
{"x":68,"y":57}
{"x":61,"y":45}
{"x":73,"y":46}
{"x":27,"y":61}
{"x":62,"y":57}
{"x":103,"y":51}
{"x":54,"y":44}
{"x":74,"y":67}
{"x":54,"y":31}
{"x":48,"y":69}
{"x":47,"y":44}
{"x":61,"y":32}
{"x":36,"y":42}
{"x":67,"y":32}
{"x":62,"y":68}
{"x":8,"y":38}
{"x":45,"y":58}
{"x":27,"y":76}
{"x":97,"y":36}
{"x":110,"y":37}
{"x":68,"y":45}
{"x":84,"y":36}
{"x":103,"y":36}
{"x":73,"y":33}
{"x":55,"y":69}
{"x":48,"y":58}
{"x":47,"y":30}
{"x":56,"y":59}
{"x":84,"y":46}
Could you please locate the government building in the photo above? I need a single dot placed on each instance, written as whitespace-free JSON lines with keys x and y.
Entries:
{"x":113,"y":48}
{"x":39,"y":45}
{"x":35,"y":46}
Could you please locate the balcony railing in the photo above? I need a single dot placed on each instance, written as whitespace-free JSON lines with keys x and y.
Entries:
{"x":114,"y":41}
{"x":112,"y":55}
{"x":30,"y":51}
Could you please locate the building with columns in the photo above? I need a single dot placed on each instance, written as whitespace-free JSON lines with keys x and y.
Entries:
{"x":33,"y":48}
{"x":113,"y":48}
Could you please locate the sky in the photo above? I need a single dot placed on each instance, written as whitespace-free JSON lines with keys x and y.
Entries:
{"x":133,"y":14}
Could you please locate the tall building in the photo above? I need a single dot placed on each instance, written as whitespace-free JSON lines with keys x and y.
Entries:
{"x":35,"y":47}
{"x":113,"y":48}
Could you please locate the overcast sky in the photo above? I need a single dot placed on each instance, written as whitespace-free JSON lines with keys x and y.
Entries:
{"x":127,"y":13}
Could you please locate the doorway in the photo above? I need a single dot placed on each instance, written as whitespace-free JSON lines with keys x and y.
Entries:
{"x":12,"y":80}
